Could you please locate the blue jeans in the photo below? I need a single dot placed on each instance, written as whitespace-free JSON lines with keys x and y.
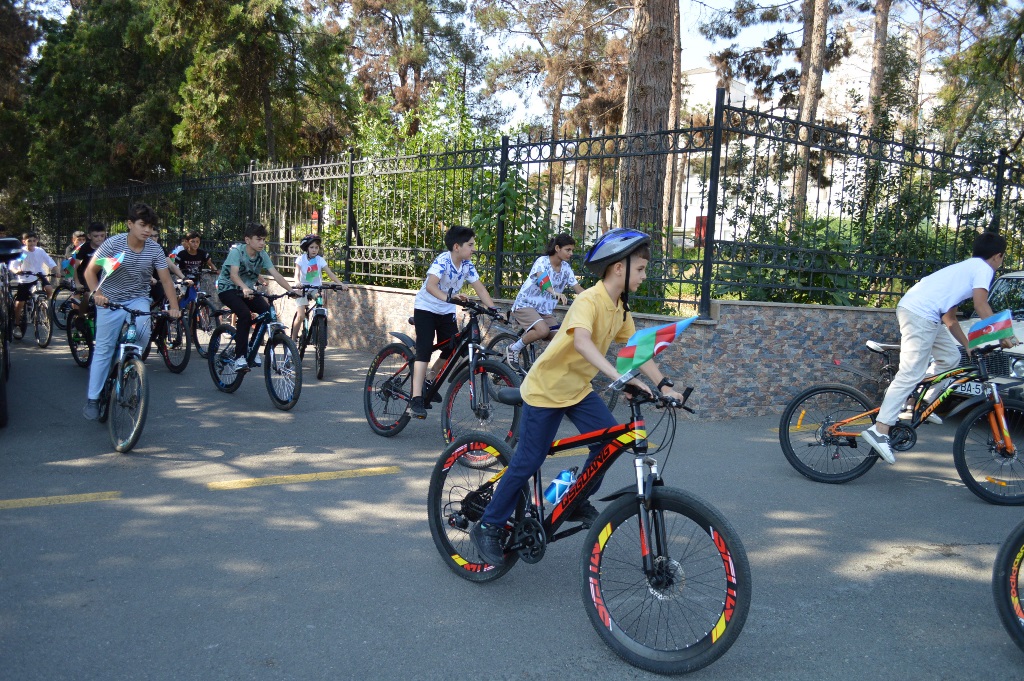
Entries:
{"x":108,"y":330}
{"x":538,"y":427}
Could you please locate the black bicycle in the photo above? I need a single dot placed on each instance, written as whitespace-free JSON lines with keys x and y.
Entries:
{"x":60,"y":303}
{"x":314,"y":324}
{"x":203,"y":319}
{"x":171,"y":338}
{"x":282,"y":367}
{"x":664,"y":576}
{"x":81,"y":331}
{"x":37,"y":310}
{"x":124,"y":400}
{"x":470,"y":402}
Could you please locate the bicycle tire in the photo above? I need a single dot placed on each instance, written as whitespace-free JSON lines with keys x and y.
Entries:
{"x":456,"y":498}
{"x":499,"y":344}
{"x":59,"y":306}
{"x":175,"y":344}
{"x":388,"y":389}
{"x":1007,"y":583}
{"x":202,"y":322}
{"x":128,"y":405}
{"x":320,"y":325}
{"x":3,"y":391}
{"x":80,"y":339}
{"x":703,"y":583}
{"x":282,"y":370}
{"x":808,"y":451}
{"x":41,"y":321}
{"x":304,"y":335}
{"x":221,"y":358}
{"x":458,"y":419}
{"x":991,"y":475}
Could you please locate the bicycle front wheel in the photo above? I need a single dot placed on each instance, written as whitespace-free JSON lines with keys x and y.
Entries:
{"x":201,"y":324}
{"x":690,"y":607}
{"x":456,"y":499}
{"x":282,"y":369}
{"x":129,"y":401}
{"x":459,"y":416}
{"x":811,"y":450}
{"x":175,"y":344}
{"x":41,"y":321}
{"x":60,"y":306}
{"x":79,"y":338}
{"x":988,"y":469}
{"x":320,"y":341}
{"x":388,"y":389}
{"x":1007,"y":583}
{"x":221,"y":359}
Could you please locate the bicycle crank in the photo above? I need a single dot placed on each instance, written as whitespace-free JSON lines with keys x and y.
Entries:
{"x":530,"y":539}
{"x":902,"y":437}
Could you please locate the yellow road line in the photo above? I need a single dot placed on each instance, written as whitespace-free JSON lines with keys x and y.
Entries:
{"x":305,"y":477}
{"x":62,"y":499}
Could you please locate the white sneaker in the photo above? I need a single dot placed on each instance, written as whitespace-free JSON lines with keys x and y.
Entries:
{"x":258,"y":362}
{"x":908,"y":415}
{"x":879,"y":443}
{"x":241,"y":364}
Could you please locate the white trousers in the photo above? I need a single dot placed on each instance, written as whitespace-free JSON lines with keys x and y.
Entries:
{"x":921,"y":340}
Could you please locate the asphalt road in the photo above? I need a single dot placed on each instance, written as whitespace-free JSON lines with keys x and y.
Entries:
{"x":177,"y":568}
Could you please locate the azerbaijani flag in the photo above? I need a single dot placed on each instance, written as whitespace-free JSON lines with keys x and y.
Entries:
{"x":544,"y":282}
{"x":312,"y":271}
{"x":67,"y":265}
{"x":173,"y":255}
{"x":109,"y":265}
{"x":644,"y":345}
{"x":994,"y":328}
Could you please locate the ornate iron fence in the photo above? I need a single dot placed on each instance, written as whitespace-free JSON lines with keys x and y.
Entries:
{"x":803,"y":212}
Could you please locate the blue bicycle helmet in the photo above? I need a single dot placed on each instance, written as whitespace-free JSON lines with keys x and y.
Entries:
{"x":613,"y":246}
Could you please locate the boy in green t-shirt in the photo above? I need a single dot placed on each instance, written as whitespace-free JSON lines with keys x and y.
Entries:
{"x":558,"y":384}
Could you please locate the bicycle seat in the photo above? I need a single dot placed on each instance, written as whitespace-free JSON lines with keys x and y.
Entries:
{"x":509,"y":396}
{"x":874,"y":346}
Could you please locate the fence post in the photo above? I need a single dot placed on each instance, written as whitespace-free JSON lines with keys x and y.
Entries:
{"x":181,"y":208}
{"x":499,"y":227}
{"x":251,"y":216}
{"x":350,"y":214}
{"x":704,"y":308}
{"x":1000,"y":180}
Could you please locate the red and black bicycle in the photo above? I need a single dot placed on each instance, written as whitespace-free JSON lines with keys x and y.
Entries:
{"x":665,"y":578}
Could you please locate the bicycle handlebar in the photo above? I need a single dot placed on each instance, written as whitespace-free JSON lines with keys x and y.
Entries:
{"x":318,"y":287}
{"x":137,"y":313}
{"x":476,"y":308}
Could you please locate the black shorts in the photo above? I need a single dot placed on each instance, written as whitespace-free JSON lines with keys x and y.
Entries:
{"x":24,"y":292}
{"x":427,"y":325}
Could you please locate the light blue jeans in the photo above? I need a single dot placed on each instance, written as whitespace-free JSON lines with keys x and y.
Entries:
{"x":108,"y":329}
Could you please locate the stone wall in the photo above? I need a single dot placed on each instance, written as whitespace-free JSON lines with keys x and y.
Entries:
{"x":750,"y":359}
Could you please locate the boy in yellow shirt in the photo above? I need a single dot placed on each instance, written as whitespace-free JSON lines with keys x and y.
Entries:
{"x":558,"y":384}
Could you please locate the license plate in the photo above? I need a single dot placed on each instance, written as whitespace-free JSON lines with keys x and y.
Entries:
{"x":970,"y":388}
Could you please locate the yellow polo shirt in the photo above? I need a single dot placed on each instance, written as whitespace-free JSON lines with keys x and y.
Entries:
{"x":561,"y":376}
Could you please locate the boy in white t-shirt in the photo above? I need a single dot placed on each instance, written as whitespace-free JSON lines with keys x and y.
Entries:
{"x":309,"y":270}
{"x":535,"y":303}
{"x":434,"y":314}
{"x":33,"y":259}
{"x":922,"y":312}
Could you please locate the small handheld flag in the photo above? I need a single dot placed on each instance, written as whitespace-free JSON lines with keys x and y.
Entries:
{"x":66,"y":266}
{"x":994,"y":328}
{"x":645,"y":344}
{"x":109,"y":265}
{"x":544,"y":282}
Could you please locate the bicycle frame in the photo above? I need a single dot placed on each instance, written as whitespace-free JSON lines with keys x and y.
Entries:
{"x":267,"y":323}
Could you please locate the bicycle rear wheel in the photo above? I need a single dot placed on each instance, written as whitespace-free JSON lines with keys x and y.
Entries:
{"x":690,"y":609}
{"x":221,"y":359}
{"x":175,"y":344}
{"x":60,"y":306}
{"x":988,"y":470}
{"x":458,"y":417}
{"x":202,"y":322}
{"x":282,"y":369}
{"x":320,"y":341}
{"x":1007,"y":584}
{"x":456,"y":499}
{"x":41,"y":321}
{"x":79,"y":338}
{"x":129,"y":402}
{"x":388,"y":389}
{"x":814,"y":453}
{"x":500,"y":343}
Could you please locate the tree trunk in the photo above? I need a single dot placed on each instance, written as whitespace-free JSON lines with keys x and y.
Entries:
{"x":667,"y":211}
{"x":648,"y":93}
{"x":813,"y":67}
{"x":882,"y":8}
{"x":268,"y":123}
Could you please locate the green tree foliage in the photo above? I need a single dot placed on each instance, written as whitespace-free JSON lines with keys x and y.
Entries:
{"x":18,"y":28}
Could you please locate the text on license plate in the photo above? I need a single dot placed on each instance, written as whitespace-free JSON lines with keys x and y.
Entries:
{"x":970,"y":388}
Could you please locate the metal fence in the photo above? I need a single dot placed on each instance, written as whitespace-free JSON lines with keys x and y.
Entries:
{"x":803,"y":212}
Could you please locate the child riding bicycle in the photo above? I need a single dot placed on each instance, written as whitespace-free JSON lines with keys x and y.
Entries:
{"x":33,"y":259}
{"x":549,"y":276}
{"x":238,"y":276}
{"x":559,"y":383}
{"x":309,"y":270}
{"x":435,"y":314}
{"x":922,"y":312}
